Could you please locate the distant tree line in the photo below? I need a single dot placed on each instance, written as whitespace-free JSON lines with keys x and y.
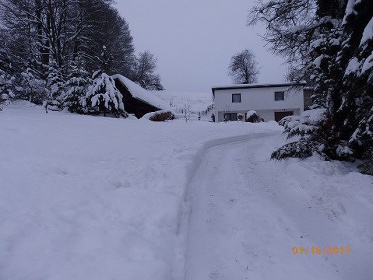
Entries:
{"x":329,"y":42}
{"x":49,"y":49}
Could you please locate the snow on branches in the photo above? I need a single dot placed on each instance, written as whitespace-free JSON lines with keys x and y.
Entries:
{"x":76,"y":86}
{"x":334,"y":43}
{"x":303,"y":128}
{"x":103,"y":96}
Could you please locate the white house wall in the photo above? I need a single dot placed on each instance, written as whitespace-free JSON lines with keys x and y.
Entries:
{"x":262,"y":100}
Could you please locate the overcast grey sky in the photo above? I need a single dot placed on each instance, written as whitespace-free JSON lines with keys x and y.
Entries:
{"x":194,"y":40}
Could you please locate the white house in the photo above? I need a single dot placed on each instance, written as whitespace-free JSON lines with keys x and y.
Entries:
{"x":270,"y":101}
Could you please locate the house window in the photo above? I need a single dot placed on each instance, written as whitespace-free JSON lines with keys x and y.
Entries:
{"x":230,"y":117}
{"x":236,"y":98}
{"x":279,"y":95}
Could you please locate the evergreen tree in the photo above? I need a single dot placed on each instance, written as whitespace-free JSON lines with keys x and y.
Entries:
{"x":55,"y":85}
{"x":339,"y":55}
{"x":48,"y":35}
{"x":6,"y":79}
{"x":103,"y":97}
{"x":356,"y":95}
{"x":76,"y":86}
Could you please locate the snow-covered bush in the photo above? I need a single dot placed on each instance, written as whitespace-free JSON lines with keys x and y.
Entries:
{"x":6,"y":79}
{"x":33,"y":88}
{"x":4,"y":99}
{"x":6,"y":85}
{"x":161,"y":116}
{"x":298,"y":149}
{"x":253,"y":117}
{"x":304,"y":127}
{"x":103,"y":97}
{"x":367,"y":166}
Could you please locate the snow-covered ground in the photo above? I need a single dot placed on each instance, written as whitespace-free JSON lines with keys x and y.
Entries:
{"x":198,"y":101}
{"x":248,"y":214}
{"x":99,"y":198}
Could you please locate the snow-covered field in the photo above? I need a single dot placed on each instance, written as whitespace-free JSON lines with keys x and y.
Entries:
{"x":198,"y":101}
{"x":99,"y":198}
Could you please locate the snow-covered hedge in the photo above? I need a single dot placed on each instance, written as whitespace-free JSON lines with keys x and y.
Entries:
{"x":159,"y":116}
{"x":253,"y":117}
{"x":304,"y":124}
{"x":303,"y":127}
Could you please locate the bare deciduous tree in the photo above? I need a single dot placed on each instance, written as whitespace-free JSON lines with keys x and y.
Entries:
{"x":244,"y":68}
{"x":144,"y":73}
{"x":290,"y":26}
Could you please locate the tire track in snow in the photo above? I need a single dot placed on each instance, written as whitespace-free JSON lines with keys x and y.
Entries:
{"x":239,"y":227}
{"x":185,"y":210}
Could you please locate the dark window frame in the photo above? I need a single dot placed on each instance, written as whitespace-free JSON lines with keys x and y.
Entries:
{"x":236,"y":95}
{"x":230,"y":117}
{"x":279,"y":95}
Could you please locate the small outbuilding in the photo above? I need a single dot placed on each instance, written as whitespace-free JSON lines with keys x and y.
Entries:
{"x":137,"y":100}
{"x":270,"y":101}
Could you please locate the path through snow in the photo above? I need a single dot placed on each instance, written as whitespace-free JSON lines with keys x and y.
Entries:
{"x":247,"y":213}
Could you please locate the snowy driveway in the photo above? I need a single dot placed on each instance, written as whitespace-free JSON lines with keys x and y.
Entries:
{"x":248,"y":213}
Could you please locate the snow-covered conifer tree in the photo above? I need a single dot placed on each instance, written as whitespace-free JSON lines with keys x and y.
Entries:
{"x":6,"y":79}
{"x":335,"y":40}
{"x":103,"y":96}
{"x":76,"y":86}
{"x":55,"y":85}
{"x":356,"y":108}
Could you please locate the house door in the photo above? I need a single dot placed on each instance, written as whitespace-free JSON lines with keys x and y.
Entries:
{"x":280,"y":115}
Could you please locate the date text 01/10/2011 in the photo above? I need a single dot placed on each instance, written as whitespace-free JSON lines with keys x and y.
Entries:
{"x":318,"y":250}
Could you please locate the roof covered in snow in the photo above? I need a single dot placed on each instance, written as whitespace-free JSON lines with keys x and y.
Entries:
{"x":243,"y":86}
{"x":142,"y":94}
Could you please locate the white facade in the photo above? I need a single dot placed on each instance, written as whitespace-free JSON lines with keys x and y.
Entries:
{"x":271,"y":102}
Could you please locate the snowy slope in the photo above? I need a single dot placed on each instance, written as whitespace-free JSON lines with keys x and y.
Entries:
{"x":198,"y":101}
{"x":97,"y":198}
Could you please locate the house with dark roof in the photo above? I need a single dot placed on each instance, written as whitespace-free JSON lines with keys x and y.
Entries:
{"x":270,"y":101}
{"x":138,"y":101}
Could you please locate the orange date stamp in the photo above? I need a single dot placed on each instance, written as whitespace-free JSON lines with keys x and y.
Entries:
{"x":318,"y":250}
